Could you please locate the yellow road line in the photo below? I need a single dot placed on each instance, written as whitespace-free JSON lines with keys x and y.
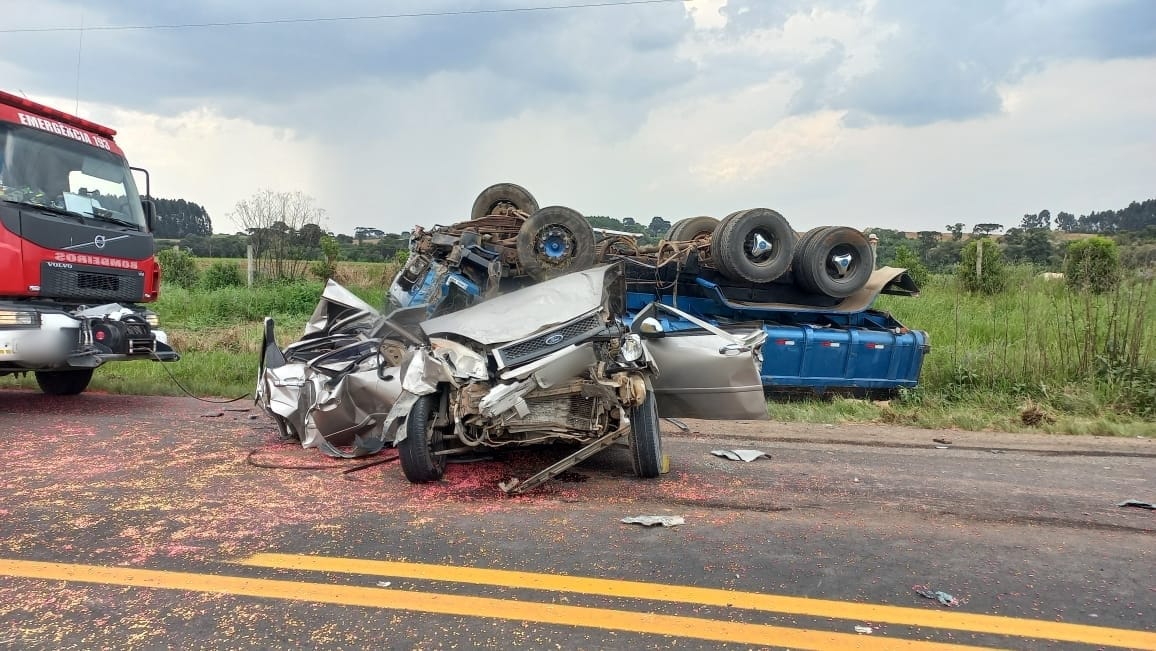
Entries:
{"x":976,"y":623}
{"x":428,"y":602}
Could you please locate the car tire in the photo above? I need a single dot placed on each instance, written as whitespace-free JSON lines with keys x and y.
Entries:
{"x":692,"y":228}
{"x":64,"y":383}
{"x":503,"y":193}
{"x":753,"y":245}
{"x":645,"y":438}
{"x":554,"y":241}
{"x":417,"y":451}
{"x":836,"y":262}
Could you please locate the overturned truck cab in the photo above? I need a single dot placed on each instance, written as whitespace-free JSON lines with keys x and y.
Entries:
{"x":551,"y":362}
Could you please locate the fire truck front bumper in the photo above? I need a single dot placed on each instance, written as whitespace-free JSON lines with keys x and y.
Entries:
{"x":38,"y":338}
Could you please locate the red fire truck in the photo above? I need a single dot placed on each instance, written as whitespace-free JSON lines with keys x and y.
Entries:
{"x":76,"y":250}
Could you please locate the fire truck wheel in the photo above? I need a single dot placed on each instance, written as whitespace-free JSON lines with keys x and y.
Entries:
{"x":836,"y":262}
{"x":64,"y":383}
{"x":417,"y":451}
{"x":554,"y":241}
{"x":692,"y":228}
{"x":645,"y":438}
{"x":753,"y":245}
{"x":503,"y":194}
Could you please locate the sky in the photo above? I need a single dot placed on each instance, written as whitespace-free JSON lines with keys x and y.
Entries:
{"x":868,"y":113}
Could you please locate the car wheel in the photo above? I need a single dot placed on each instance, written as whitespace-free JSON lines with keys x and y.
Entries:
{"x":836,"y":262}
{"x":692,"y":228}
{"x":645,"y":438}
{"x":753,"y":245}
{"x":499,"y":194}
{"x":64,"y":383}
{"x":417,"y":452}
{"x":554,"y":241}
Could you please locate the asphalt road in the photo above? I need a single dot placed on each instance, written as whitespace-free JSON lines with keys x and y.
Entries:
{"x":131,"y":522}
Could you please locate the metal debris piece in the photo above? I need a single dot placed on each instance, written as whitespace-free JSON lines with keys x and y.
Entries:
{"x":1138,"y":504}
{"x":939,"y":595}
{"x":943,"y":447}
{"x":740,"y":455}
{"x":678,"y":423}
{"x":213,"y":414}
{"x":384,"y":584}
{"x":943,"y":441}
{"x":994,"y":451}
{"x":651,"y":520}
{"x":866,"y":630}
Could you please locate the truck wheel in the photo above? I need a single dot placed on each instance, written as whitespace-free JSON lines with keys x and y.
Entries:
{"x":753,"y":245}
{"x":692,"y":228}
{"x":836,"y":262}
{"x":614,"y":245}
{"x":554,"y":241}
{"x":64,"y":383}
{"x":422,"y":440}
{"x":498,"y":194}
{"x":797,"y":266}
{"x":645,"y":438}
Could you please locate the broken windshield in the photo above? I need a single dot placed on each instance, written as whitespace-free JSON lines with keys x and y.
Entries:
{"x":45,"y":169}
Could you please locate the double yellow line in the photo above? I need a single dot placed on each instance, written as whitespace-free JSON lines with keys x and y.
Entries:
{"x":600,"y":618}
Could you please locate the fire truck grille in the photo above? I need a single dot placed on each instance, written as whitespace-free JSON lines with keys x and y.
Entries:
{"x":82,"y":284}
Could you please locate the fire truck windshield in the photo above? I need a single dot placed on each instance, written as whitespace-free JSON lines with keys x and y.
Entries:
{"x":45,"y":169}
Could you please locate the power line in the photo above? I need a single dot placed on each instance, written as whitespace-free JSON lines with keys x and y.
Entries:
{"x":336,"y":19}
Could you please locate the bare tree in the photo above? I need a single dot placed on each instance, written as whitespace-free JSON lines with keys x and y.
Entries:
{"x":278,"y":224}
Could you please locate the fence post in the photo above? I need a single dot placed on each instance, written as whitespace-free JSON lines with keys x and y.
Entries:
{"x":249,"y":259}
{"x":979,"y":260}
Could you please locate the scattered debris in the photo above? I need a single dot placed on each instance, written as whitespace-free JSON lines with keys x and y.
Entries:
{"x":866,"y":630}
{"x":994,"y":451}
{"x":943,"y":441}
{"x":678,"y":423}
{"x":856,"y":480}
{"x":213,"y":414}
{"x":384,"y":584}
{"x":1033,"y":416}
{"x":237,"y":409}
{"x":651,"y":520}
{"x":1138,"y":504}
{"x":939,"y":595}
{"x":943,"y":447}
{"x":740,"y":455}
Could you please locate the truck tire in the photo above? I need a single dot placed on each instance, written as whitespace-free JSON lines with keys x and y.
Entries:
{"x":554,"y":241}
{"x":692,"y":228}
{"x":614,"y":245}
{"x":798,"y":256}
{"x":416,"y":451}
{"x":753,"y":245}
{"x":503,"y":193}
{"x":645,"y":438}
{"x":836,"y":262}
{"x":64,"y":383}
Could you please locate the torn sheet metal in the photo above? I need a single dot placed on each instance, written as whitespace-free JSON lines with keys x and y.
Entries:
{"x":1138,"y":504}
{"x":740,"y":455}
{"x":652,"y":520}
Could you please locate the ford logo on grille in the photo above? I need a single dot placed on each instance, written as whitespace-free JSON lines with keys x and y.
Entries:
{"x":553,"y":339}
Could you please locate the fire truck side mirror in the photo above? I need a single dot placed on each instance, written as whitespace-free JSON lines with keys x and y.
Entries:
{"x":150,"y":211}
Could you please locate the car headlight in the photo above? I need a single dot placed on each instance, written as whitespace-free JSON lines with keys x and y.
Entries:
{"x":631,"y":349}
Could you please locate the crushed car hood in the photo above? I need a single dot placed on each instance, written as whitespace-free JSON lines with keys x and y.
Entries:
{"x":522,"y":313}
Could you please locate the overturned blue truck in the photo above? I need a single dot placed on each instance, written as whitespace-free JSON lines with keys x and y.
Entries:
{"x":813,"y":294}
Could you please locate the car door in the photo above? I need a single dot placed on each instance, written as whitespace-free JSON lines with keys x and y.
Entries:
{"x":704,"y":371}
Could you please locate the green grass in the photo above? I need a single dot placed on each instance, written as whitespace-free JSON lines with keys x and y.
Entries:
{"x":1082,"y":364}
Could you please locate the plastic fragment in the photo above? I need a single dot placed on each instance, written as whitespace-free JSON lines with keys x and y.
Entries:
{"x":866,"y":630}
{"x":740,"y":455}
{"x":1138,"y":504}
{"x":651,"y":520}
{"x":939,"y":595}
{"x":384,"y":584}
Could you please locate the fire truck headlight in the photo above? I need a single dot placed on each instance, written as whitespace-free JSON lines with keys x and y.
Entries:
{"x":152,"y":319}
{"x":19,"y":319}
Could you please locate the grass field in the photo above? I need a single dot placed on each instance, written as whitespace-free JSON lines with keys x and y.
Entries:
{"x":1035,"y":357}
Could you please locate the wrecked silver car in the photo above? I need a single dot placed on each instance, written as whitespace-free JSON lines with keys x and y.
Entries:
{"x":547,"y":363}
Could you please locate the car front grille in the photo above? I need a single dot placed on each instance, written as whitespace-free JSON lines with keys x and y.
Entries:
{"x":544,"y":343}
